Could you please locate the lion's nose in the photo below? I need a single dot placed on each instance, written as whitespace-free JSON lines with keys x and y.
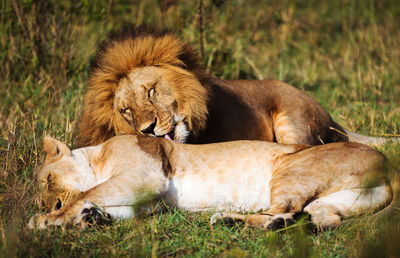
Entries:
{"x":150,"y":128}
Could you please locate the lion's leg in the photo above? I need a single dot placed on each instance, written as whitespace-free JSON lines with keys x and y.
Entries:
{"x":110,"y":197}
{"x":327,"y":211}
{"x":288,"y":131}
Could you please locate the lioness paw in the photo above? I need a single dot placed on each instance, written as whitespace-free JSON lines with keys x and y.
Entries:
{"x":226,"y":218}
{"x":265,"y":221}
{"x":40,"y":221}
{"x":214,"y":218}
{"x":279,"y":221}
{"x":92,"y":215}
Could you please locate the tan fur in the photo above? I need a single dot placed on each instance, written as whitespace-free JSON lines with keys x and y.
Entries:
{"x":329,"y":182}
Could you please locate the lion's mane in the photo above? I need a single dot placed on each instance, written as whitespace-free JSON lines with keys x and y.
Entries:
{"x":124,"y":51}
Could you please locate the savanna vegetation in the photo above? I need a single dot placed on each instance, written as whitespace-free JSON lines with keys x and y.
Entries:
{"x":345,"y":53}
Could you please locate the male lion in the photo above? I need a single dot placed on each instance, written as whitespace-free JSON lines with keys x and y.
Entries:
{"x":331,"y":181}
{"x":149,"y":82}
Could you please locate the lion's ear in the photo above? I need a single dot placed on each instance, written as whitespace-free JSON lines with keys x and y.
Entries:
{"x":54,"y":147}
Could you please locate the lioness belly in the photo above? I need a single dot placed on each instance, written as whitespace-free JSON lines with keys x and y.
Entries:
{"x":227,"y":190}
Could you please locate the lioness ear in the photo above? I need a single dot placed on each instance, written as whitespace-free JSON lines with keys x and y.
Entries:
{"x":54,"y":147}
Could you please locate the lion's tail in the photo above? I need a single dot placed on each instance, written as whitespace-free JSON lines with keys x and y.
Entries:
{"x":369,"y":140}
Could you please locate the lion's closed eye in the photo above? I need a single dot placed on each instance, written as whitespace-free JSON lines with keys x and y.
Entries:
{"x":127,"y":113}
{"x":152,"y":90}
{"x":126,"y":110}
{"x":150,"y":93}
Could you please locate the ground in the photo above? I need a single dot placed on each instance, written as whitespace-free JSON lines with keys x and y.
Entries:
{"x":345,"y":54}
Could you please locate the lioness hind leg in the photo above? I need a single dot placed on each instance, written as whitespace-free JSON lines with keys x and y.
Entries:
{"x":327,"y":211}
{"x":263,"y":220}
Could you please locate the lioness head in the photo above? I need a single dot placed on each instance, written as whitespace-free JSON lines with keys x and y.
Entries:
{"x":144,"y":81}
{"x":60,"y":175}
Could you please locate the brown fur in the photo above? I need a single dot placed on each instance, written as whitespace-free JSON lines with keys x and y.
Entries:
{"x":213,"y":110}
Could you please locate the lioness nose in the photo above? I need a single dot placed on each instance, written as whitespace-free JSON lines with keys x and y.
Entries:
{"x":150,"y":128}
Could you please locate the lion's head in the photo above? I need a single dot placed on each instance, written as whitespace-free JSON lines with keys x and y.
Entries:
{"x":144,"y":81}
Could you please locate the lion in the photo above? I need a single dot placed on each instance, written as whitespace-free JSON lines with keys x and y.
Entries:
{"x":148,"y":82}
{"x":101,"y":183}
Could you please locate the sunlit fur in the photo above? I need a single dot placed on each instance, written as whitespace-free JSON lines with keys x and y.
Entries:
{"x":329,"y":181}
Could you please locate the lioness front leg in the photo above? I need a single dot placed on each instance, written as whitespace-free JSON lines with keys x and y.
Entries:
{"x":103,"y":202}
{"x":65,"y":215}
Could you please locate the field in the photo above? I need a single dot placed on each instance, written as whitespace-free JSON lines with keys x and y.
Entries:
{"x":345,"y":53}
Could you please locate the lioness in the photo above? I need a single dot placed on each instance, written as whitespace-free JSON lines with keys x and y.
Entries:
{"x":106,"y":181}
{"x":149,"y":82}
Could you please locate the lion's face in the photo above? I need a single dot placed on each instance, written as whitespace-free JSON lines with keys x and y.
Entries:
{"x":148,"y":99}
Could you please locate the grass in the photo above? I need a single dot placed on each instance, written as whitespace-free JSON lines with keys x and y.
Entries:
{"x":346,"y":54}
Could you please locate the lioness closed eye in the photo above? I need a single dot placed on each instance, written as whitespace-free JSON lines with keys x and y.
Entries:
{"x":149,"y":82}
{"x":96,"y":184}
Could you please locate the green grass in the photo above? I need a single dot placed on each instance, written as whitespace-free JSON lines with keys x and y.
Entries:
{"x":346,"y":54}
